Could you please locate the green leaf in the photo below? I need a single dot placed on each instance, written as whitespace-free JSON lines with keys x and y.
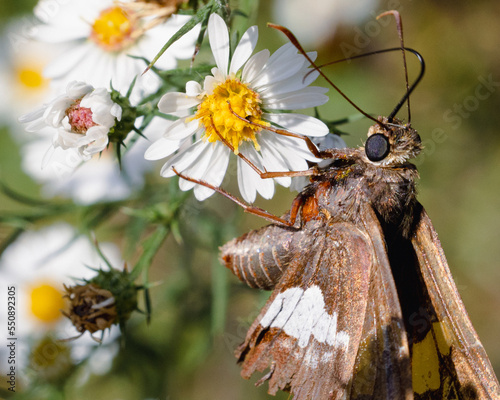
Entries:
{"x":201,"y":16}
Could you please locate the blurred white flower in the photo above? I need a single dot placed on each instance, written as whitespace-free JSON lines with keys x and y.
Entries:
{"x":22,"y":61}
{"x":258,"y":88}
{"x":37,"y":265}
{"x":98,"y":37}
{"x":82,"y":118}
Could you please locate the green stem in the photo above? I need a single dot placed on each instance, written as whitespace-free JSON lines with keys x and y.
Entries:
{"x":150,"y":246}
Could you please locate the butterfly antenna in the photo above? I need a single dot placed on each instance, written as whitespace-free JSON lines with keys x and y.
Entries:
{"x":406,"y":97}
{"x":399,"y":24}
{"x":299,"y":47}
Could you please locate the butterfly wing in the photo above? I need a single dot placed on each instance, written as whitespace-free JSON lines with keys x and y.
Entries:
{"x":332,"y":328}
{"x":309,"y":330}
{"x":382,"y":369}
{"x":455,"y":340}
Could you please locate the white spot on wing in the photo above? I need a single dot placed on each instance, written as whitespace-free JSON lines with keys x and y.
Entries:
{"x":302,"y":314}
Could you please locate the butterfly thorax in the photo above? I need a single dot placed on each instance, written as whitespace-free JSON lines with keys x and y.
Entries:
{"x":378,"y":174}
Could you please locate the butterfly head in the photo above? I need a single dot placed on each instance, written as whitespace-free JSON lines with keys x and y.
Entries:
{"x":391,"y":143}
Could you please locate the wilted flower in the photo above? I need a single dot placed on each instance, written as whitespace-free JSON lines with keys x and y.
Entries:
{"x":91,"y":308}
{"x":83,"y":118}
{"x":105,"y":300}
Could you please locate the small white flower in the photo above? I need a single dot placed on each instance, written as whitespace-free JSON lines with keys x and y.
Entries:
{"x":97,"y":38}
{"x":82,"y":118}
{"x":65,"y":174}
{"x":259,"y":88}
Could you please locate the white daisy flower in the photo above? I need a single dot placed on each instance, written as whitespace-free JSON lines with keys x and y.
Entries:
{"x":82,"y":118}
{"x":37,"y":265}
{"x":97,"y":38}
{"x":259,"y":88}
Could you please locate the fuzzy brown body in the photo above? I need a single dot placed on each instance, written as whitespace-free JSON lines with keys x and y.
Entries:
{"x":363,"y":303}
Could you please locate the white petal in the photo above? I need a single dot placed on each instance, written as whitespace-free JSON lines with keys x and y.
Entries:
{"x":34,"y":120}
{"x":278,"y":72}
{"x":245,"y":178}
{"x":249,"y":181}
{"x":305,"y":98}
{"x":215,"y":174}
{"x":218,"y":36}
{"x":176,"y":101}
{"x":298,"y":123}
{"x":198,"y":168}
{"x":161,"y":148}
{"x":244,"y":49}
{"x":295,"y":152}
{"x":76,"y":90}
{"x":193,"y":89}
{"x":180,"y":130}
{"x":273,"y":160}
{"x":330,"y":141}
{"x":183,"y":159}
{"x":291,"y":84}
{"x":254,"y":66}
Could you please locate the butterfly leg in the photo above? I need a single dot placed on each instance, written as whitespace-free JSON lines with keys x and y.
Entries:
{"x":265,"y":174}
{"x":246,"y":207}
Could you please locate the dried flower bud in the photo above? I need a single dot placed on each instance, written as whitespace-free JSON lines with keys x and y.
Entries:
{"x":107,"y":299}
{"x":92,"y":308}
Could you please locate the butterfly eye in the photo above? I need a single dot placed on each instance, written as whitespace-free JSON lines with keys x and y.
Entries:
{"x":377,"y":147}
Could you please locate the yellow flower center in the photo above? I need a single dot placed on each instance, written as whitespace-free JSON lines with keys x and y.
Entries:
{"x":214,"y":113}
{"x":114,"y":29}
{"x":46,"y":303}
{"x":31,"y":78}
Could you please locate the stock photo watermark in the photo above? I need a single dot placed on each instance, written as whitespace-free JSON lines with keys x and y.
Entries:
{"x":11,"y":334}
{"x":363,"y":36}
{"x":458,"y":113}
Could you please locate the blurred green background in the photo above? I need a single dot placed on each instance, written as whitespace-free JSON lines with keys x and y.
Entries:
{"x":187,"y":350}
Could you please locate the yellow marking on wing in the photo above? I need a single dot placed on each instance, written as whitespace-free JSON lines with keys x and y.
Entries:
{"x":425,"y":365}
{"x":443,"y":337}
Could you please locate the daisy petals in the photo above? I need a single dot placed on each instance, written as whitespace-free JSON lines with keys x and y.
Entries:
{"x":183,"y":159}
{"x":193,"y":89}
{"x":244,"y":49}
{"x":218,"y":36}
{"x":197,"y":169}
{"x":273,"y":160}
{"x":215,"y":173}
{"x":249,"y":181}
{"x":305,"y":98}
{"x":161,"y":148}
{"x":298,"y":123}
{"x":181,"y":129}
{"x":175,"y":101}
{"x":254,"y":65}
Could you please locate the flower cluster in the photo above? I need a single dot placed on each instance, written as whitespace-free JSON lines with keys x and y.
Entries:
{"x":114,"y":87}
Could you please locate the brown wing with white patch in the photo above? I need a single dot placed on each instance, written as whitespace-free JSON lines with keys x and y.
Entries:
{"x":310,"y":330}
{"x":455,"y":337}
